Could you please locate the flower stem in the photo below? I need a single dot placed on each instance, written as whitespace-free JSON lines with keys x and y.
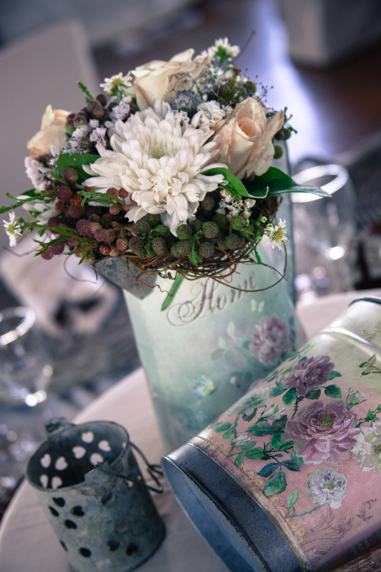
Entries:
{"x":304,"y":513}
{"x":297,"y":401}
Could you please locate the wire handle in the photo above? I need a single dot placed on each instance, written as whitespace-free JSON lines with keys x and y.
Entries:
{"x":152,"y":469}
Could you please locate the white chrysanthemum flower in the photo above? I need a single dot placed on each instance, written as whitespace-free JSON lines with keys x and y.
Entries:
{"x":12,"y":228}
{"x":160,"y":161}
{"x":40,"y":211}
{"x":209,"y":113}
{"x":277,"y":233}
{"x":35,"y":171}
{"x":117,"y":80}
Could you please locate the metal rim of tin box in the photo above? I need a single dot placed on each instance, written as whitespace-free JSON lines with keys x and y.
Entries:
{"x":228,"y":518}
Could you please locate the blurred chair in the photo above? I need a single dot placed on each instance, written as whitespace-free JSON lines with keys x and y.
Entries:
{"x":321,"y":32}
{"x":40,"y":70}
{"x":88,"y":329}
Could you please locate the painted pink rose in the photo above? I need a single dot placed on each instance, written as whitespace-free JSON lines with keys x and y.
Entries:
{"x":270,"y":340}
{"x":309,"y":374}
{"x":323,"y":433}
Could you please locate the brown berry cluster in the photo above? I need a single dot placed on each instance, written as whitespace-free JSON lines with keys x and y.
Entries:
{"x":93,"y":232}
{"x":83,"y":228}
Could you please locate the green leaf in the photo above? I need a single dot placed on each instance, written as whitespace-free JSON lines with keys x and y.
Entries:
{"x":232,"y":432}
{"x":333,"y":391}
{"x":302,"y":359}
{"x":276,"y":440}
{"x":172,"y":292}
{"x":277,"y":390}
{"x":248,"y":446}
{"x":289,"y":397}
{"x":217,"y":354}
{"x":280,"y":423}
{"x":333,"y":375}
{"x":239,"y":459}
{"x":76,"y":161}
{"x":256,"y":453}
{"x":279,"y":182}
{"x":237,"y":185}
{"x":231,"y":329}
{"x":30,"y":193}
{"x":268,"y":470}
{"x":222,"y":343}
{"x":249,"y":417}
{"x":16,"y":205}
{"x":260,"y":429}
{"x":298,"y":460}
{"x":275,"y":485}
{"x":221,"y":427}
{"x":82,"y":86}
{"x":315,"y":394}
{"x":290,"y":465}
{"x":293,"y":498}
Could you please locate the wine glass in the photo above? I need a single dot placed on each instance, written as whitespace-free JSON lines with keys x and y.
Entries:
{"x":25,"y":364}
{"x":324,"y":232}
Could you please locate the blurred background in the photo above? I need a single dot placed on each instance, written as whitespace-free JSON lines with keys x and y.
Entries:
{"x":319,"y":58}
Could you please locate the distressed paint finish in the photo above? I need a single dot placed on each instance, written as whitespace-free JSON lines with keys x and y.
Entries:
{"x":102,"y":521}
{"x":311,"y":458}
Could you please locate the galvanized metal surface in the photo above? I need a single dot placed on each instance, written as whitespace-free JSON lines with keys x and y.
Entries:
{"x":127,"y":276}
{"x":103,"y":522}
{"x":252,"y":528}
{"x":229,"y":519}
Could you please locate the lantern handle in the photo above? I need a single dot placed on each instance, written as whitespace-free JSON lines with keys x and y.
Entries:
{"x":57,"y":425}
{"x":152,"y":469}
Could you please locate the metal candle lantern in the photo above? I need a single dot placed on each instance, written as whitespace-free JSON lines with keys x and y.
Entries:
{"x":288,"y":479}
{"x":93,"y":493}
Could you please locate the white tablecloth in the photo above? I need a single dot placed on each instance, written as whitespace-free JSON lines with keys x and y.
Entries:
{"x":28,"y":543}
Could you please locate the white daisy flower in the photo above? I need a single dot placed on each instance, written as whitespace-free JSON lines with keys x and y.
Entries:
{"x":160,"y":161}
{"x":222,"y":44}
{"x":117,"y":80}
{"x":277,"y":233}
{"x":12,"y":228}
{"x":222,"y":49}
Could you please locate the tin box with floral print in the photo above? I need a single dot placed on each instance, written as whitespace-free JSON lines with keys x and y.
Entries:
{"x":292,"y":471}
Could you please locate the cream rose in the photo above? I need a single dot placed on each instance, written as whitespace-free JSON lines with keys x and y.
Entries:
{"x":52,"y":132}
{"x":244,"y":139}
{"x":152,"y":80}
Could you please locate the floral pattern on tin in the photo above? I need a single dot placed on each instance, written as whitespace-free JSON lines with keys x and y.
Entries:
{"x":309,"y":375}
{"x":327,"y":486}
{"x":367,"y":450}
{"x":270,"y":340}
{"x":323,"y":433}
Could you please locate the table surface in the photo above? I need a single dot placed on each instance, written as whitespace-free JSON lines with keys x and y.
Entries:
{"x":28,"y":543}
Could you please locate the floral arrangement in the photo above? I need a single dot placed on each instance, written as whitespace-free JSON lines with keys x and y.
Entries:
{"x":168,"y":168}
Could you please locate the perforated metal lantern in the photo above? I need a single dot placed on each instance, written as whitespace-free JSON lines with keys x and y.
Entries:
{"x":93,"y":493}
